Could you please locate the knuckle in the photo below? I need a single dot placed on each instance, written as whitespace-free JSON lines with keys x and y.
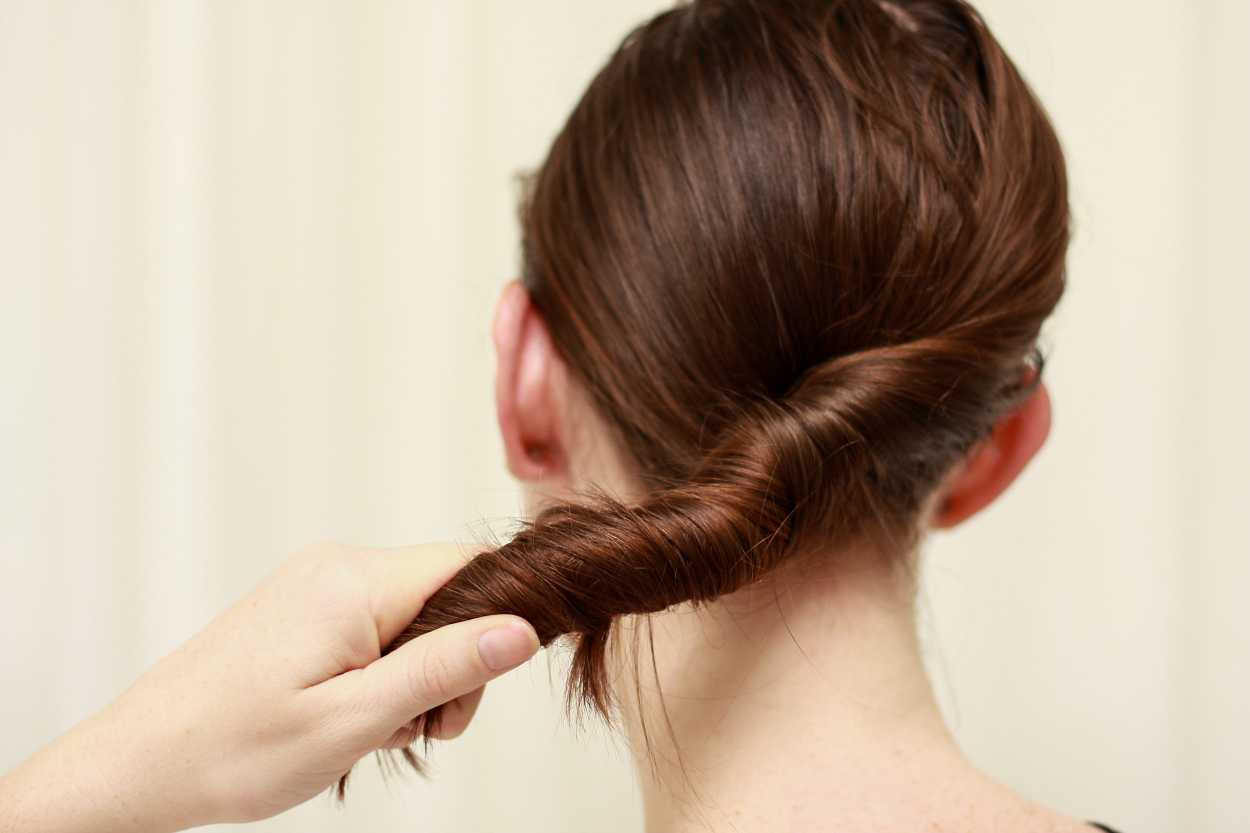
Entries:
{"x":310,"y":562}
{"x":330,"y":567}
{"x":434,"y":679}
{"x":319,"y":552}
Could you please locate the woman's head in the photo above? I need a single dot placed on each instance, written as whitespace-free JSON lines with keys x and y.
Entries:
{"x":829,"y":229}
{"x":788,"y":260}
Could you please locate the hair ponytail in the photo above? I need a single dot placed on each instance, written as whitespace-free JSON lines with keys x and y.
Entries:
{"x":798,"y":253}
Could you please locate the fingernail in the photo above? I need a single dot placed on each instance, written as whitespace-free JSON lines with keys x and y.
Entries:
{"x":507,"y":646}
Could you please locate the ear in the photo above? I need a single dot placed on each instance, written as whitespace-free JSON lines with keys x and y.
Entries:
{"x":529,"y":389}
{"x":996,"y":461}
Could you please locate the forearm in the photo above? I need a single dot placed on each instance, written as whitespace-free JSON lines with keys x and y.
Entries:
{"x":98,"y":776}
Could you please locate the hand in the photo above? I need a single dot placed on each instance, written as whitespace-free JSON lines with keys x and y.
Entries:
{"x":273,"y":701}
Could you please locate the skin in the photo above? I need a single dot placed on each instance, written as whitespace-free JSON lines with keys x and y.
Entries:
{"x":274,"y":700}
{"x":799,"y":703}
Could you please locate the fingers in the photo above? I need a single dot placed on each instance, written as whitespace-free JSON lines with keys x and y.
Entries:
{"x":401,"y":579}
{"x":454,"y":718}
{"x":457,"y":715}
{"x":443,"y":665}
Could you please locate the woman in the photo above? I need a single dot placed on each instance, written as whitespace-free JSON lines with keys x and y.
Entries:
{"x":784,"y":272}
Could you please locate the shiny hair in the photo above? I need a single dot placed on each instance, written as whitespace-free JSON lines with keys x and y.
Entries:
{"x":798,"y":253}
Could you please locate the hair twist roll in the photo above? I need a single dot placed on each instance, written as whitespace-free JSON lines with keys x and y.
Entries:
{"x":798,"y":254}
{"x":813,"y":457}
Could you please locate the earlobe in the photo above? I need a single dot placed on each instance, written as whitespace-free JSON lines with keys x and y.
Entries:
{"x":994,"y":464}
{"x":527,"y":388}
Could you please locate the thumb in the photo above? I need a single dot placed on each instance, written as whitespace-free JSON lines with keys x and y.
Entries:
{"x":446,"y":663}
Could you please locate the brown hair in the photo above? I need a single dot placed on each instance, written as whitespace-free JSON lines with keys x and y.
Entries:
{"x":798,"y":253}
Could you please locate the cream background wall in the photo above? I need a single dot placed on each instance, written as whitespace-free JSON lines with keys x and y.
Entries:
{"x":248,"y":253}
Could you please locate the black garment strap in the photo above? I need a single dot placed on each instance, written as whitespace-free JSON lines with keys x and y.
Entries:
{"x":1102,"y":827}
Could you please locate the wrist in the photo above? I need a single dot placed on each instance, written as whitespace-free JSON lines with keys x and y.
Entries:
{"x":119,"y":770}
{"x":83,"y":781}
{"x":143,"y":758}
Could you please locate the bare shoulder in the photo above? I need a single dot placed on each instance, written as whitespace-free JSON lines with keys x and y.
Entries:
{"x":1038,"y":818}
{"x":982,"y":804}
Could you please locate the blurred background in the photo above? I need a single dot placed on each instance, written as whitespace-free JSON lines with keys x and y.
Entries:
{"x":249,"y":252}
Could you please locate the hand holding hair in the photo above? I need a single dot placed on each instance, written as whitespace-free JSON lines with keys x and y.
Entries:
{"x":253,"y":716}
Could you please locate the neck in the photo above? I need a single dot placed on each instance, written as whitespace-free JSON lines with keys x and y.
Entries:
{"x":799,"y":703}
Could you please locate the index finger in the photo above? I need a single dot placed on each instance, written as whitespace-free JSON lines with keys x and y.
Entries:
{"x":401,"y":579}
